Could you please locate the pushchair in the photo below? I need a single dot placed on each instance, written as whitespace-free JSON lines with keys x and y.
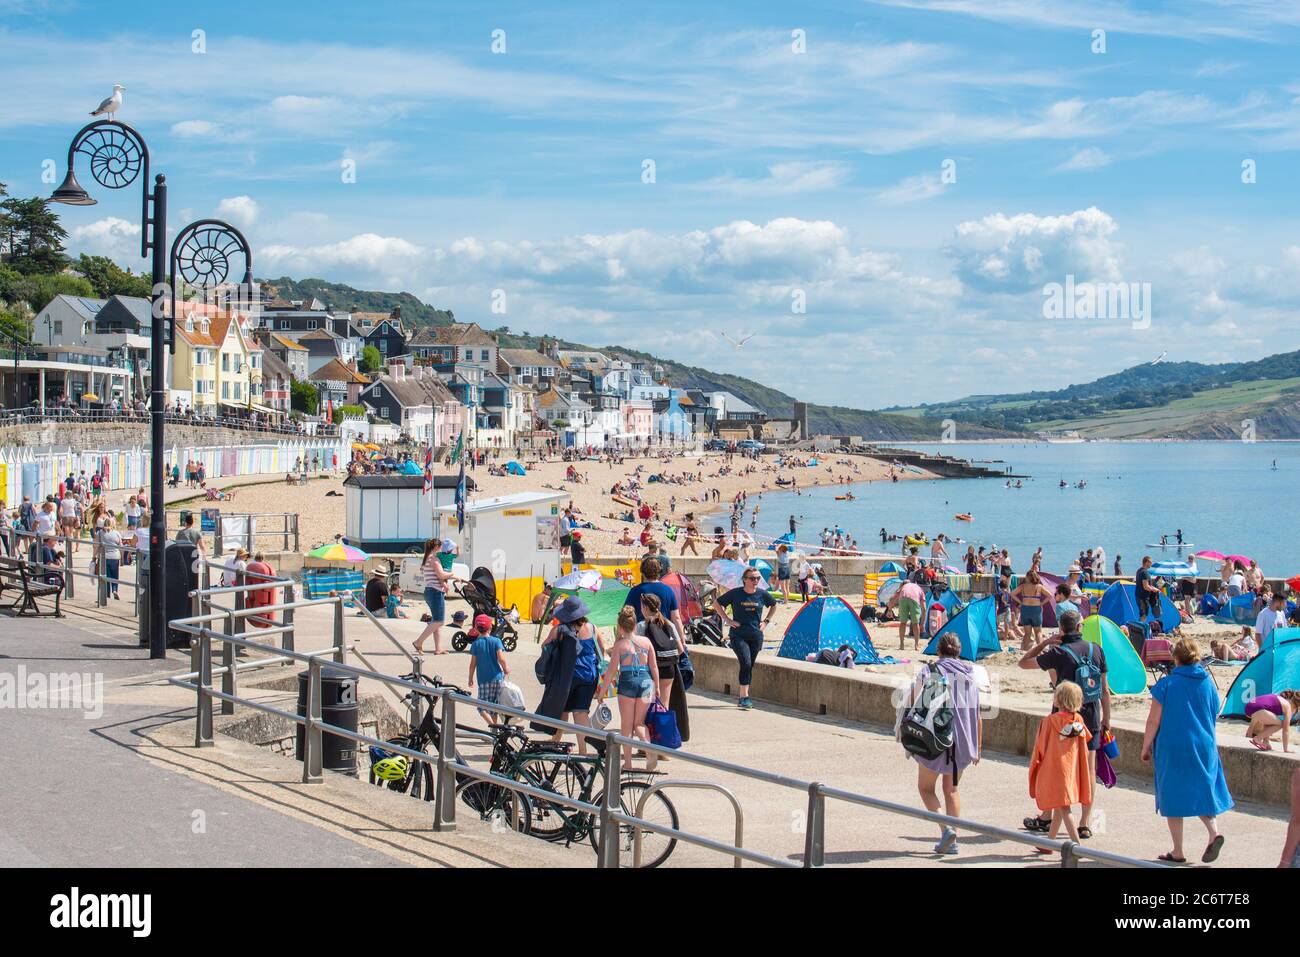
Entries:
{"x":481,"y":593}
{"x":706,"y":628}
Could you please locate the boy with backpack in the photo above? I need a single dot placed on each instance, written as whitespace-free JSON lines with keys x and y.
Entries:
{"x":1067,"y":657}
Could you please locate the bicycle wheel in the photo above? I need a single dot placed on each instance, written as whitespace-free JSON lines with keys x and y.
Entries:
{"x":655,"y":848}
{"x":497,"y":804}
{"x":553,"y":821}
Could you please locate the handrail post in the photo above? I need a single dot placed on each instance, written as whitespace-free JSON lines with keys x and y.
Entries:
{"x":101,"y":579}
{"x":228,"y":665}
{"x":340,"y":653}
{"x":203,"y":715}
{"x":69,"y":583}
{"x":814,"y":841}
{"x":286,"y":639}
{"x":311,"y":738}
{"x":607,"y":852}
{"x":1068,"y":857}
{"x":444,"y":799}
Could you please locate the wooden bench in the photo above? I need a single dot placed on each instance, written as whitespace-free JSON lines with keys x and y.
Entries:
{"x":16,"y":576}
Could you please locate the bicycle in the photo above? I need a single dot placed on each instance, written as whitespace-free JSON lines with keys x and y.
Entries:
{"x":426,"y":736}
{"x":552,"y":766}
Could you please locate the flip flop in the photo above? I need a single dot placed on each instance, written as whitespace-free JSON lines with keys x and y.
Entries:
{"x":1169,"y":858}
{"x":1257,"y":744}
{"x":1212,"y":851}
{"x":1045,"y":851}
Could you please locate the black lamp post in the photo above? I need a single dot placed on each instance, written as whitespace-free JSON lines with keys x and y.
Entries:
{"x":118,"y":155}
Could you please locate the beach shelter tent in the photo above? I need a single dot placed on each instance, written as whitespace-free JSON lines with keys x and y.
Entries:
{"x":886,"y":589}
{"x":1119,"y":604}
{"x":1125,"y":672}
{"x":410,"y":468}
{"x":894,"y":568}
{"x":951,"y":605}
{"x":976,"y":625}
{"x":688,"y":596}
{"x":603,"y":605}
{"x":1238,"y":610}
{"x":1276,"y":668}
{"x":827,"y":622}
{"x":514,"y":468}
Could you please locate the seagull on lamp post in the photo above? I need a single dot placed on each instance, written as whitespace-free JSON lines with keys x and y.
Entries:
{"x":112,"y":104}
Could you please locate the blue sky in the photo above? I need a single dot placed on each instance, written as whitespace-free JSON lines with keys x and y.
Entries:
{"x":779,"y":174}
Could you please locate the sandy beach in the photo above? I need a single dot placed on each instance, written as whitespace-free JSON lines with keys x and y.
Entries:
{"x":689,"y":479}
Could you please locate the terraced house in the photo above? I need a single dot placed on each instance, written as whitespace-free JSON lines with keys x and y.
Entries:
{"x":214,"y":366}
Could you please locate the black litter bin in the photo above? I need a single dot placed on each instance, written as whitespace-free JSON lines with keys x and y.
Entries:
{"x":181,"y":579}
{"x":338,"y":706}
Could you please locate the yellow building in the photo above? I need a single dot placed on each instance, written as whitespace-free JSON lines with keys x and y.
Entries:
{"x":214,"y":365}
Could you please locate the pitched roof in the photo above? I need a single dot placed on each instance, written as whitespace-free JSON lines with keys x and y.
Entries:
{"x":456,"y":334}
{"x":273,"y":365}
{"x":336,"y":371}
{"x":287,"y":343}
{"x":414,"y":391}
{"x":526,"y":357}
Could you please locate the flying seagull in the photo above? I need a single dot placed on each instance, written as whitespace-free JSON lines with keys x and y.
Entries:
{"x":112,"y":104}
{"x":734,"y":342}
{"x":1158,"y":358}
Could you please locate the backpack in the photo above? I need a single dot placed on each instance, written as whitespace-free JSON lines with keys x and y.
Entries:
{"x":664,"y":640}
{"x":1087,"y":673}
{"x":927,"y":728}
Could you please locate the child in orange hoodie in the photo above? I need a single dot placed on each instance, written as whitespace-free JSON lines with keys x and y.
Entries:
{"x":1058,"y":771}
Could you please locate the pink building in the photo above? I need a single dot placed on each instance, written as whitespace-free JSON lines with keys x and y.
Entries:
{"x":638,"y":418}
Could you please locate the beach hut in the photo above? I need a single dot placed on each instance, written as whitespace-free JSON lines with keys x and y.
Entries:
{"x":977,"y":627}
{"x":517,"y":536}
{"x":1276,"y":668}
{"x":827,"y":622}
{"x":391,"y":514}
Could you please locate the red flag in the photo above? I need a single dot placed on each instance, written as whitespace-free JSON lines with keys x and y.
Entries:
{"x":329,"y":411}
{"x":428,"y":469}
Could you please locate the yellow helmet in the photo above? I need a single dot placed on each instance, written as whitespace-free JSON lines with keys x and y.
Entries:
{"x":391,"y":769}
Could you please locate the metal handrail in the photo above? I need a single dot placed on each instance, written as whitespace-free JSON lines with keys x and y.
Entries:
{"x":448,"y":765}
{"x":700,"y":785}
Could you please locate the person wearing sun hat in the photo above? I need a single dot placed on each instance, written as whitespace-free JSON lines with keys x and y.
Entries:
{"x":573,"y":668}
{"x":447,"y":554}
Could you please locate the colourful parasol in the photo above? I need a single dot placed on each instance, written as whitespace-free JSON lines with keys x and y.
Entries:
{"x":338,"y":552}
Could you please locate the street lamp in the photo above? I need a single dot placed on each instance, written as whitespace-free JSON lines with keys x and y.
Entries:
{"x":118,"y":155}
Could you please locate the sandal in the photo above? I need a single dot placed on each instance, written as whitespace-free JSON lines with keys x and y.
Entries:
{"x":1212,"y":850}
{"x":1036,"y":824}
{"x":1085,"y":832}
{"x":1170,"y":859}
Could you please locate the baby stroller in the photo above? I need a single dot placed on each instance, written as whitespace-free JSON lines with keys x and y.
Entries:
{"x":481,"y":593}
{"x":706,"y":628}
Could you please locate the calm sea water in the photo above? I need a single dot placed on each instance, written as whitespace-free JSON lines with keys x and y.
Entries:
{"x":1223,"y":495}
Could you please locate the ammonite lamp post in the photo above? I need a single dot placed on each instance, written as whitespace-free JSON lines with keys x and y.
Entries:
{"x":118,"y":156}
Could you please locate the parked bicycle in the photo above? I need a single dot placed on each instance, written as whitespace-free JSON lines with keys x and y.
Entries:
{"x":552,"y":766}
{"x":397,"y":772}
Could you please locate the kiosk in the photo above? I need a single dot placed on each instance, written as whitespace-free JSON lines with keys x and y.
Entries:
{"x":392,"y":513}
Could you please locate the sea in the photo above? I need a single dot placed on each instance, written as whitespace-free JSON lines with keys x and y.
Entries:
{"x":1231,"y":497}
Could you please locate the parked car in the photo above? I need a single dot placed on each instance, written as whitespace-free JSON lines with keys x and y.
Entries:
{"x":750,"y":445}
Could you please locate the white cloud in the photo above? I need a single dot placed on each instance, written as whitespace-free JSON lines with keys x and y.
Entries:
{"x":913,"y":189}
{"x":240,"y":210}
{"x":195,"y":128}
{"x":1002,"y":253}
{"x":1213,"y":69}
{"x":783,"y":179}
{"x":111,"y":236}
{"x":1084,"y":160}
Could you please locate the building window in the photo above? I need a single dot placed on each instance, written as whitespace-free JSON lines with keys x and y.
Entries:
{"x":225,"y":362}
{"x":384,"y":412}
{"x":311,"y":323}
{"x":383,"y":345}
{"x":285,"y":324}
{"x":225,"y":390}
{"x":239,"y":391}
{"x":58,"y":327}
{"x":485,"y":355}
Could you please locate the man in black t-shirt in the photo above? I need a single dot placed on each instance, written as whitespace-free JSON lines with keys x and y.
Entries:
{"x":1148,"y":592}
{"x":1062,"y":656}
{"x":376,"y":592}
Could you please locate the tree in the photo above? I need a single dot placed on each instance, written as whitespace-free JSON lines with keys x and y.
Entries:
{"x":110,"y":279}
{"x":371,"y":360}
{"x":304,"y":397}
{"x":34,"y":235}
{"x":37,"y":290}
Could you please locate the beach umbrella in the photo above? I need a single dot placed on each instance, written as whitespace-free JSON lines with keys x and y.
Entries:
{"x":727,"y":573}
{"x":589,"y":579}
{"x":1240,"y":558}
{"x":1173,"y":570}
{"x":338,"y":552}
{"x":1208,"y":553}
{"x":1294,"y":583}
{"x":787,"y":539}
{"x":764,"y":567}
{"x":372,"y":447}
{"x":358,"y":447}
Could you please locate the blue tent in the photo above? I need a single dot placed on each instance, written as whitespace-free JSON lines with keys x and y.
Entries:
{"x":764,"y":567}
{"x":514,"y":468}
{"x":1239,"y":610}
{"x":410,"y":468}
{"x":827,"y":622}
{"x":951,"y":605}
{"x":892,"y":567}
{"x":976,"y":625}
{"x":1276,"y":668}
{"x":787,"y":539}
{"x":1119,"y":604}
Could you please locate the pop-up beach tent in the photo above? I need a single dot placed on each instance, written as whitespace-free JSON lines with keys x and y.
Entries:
{"x":1125,"y":673}
{"x":1119,"y":604}
{"x":514,"y":468}
{"x":603,"y":605}
{"x":1276,"y":668}
{"x":827,"y":622}
{"x":1238,"y":610}
{"x":976,"y":625}
{"x":951,"y":605}
{"x":688,"y":596}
